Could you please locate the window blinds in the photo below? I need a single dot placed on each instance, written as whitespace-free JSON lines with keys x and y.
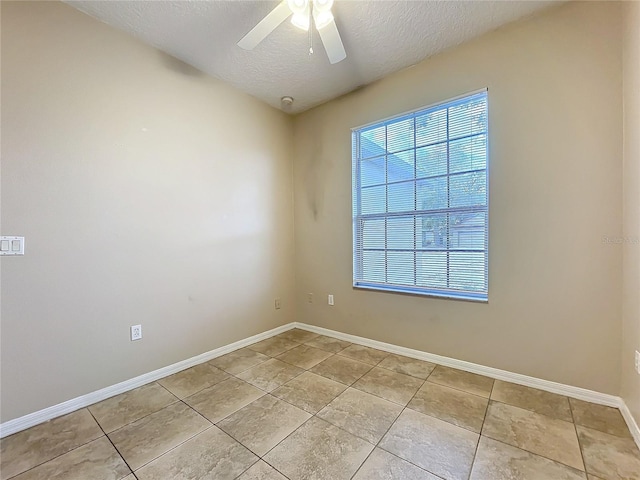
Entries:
{"x":420,"y":201}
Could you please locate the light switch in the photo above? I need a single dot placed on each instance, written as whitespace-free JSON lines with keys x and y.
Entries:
{"x":11,"y":245}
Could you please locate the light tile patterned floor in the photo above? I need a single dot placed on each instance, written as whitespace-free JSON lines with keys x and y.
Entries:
{"x":301,"y":406}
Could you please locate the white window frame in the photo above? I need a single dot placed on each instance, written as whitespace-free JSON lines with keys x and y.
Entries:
{"x":358,"y":282}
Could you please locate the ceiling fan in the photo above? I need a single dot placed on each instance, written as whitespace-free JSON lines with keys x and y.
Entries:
{"x":303,"y":11}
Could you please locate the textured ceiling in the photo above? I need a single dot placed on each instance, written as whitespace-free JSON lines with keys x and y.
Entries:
{"x":380,"y":37}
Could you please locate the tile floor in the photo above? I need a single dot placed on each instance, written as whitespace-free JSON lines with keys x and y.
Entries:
{"x":303,"y":406}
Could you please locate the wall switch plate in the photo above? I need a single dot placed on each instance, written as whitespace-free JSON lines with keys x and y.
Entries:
{"x":136,"y":332}
{"x":330,"y":300}
{"x":638,"y":362}
{"x":11,"y":245}
{"x":277,"y":303}
{"x":309,"y":297}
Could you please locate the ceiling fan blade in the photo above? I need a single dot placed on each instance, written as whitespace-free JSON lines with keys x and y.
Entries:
{"x":267,"y":25}
{"x":332,"y":42}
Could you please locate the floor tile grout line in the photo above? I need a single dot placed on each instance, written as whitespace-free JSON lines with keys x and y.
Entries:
{"x":143,"y":416}
{"x":351,"y":386}
{"x":533,"y":453}
{"x":484,"y":419}
{"x":376,"y":445}
{"x":529,"y":451}
{"x":269,"y":391}
{"x":391,"y":426}
{"x":272,"y":466}
{"x":112,"y":444}
{"x":248,"y":368}
{"x":332,"y":354}
{"x":491,"y":400}
{"x":478,"y":374}
{"x":446,"y":421}
{"x":581,"y":425}
{"x":300,"y":408}
{"x":364,"y":461}
{"x":575,"y":428}
{"x":456,"y":388}
{"x":314,"y":415}
{"x":68,"y":451}
{"x":179,"y":444}
{"x":172,"y":448}
{"x":198,"y":391}
{"x":245,"y":470}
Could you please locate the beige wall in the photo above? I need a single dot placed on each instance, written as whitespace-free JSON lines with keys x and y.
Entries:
{"x":150,"y":193}
{"x":631,"y":208}
{"x":147,"y":192}
{"x":555,"y":103}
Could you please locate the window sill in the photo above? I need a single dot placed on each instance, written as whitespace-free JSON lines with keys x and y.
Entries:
{"x":431,"y":294}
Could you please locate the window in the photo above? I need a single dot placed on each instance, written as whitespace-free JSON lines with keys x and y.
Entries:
{"x":420,"y":191}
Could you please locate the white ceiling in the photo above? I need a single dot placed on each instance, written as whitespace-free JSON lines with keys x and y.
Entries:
{"x":380,"y":37}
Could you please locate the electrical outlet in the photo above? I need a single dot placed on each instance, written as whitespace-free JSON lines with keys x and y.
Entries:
{"x":136,"y":332}
{"x":638,"y":362}
{"x":277,"y":304}
{"x":330,"y":300}
{"x":309,"y":297}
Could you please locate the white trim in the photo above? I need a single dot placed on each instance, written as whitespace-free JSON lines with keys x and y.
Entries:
{"x":41,"y":416}
{"x":631,"y":422}
{"x":22,"y":423}
{"x":546,"y":385}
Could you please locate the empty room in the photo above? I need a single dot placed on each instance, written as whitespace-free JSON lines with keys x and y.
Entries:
{"x":318,"y":240}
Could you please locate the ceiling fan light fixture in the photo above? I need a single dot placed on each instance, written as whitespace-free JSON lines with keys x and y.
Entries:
{"x":322,"y":6}
{"x":301,"y":12}
{"x":298,"y":7}
{"x":301,"y":20}
{"x":322,"y":19}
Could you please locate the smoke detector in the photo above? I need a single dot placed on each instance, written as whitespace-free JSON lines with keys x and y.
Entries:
{"x":286,"y":101}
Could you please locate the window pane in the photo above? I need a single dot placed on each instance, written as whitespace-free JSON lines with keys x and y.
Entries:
{"x":468,"y":154}
{"x":431,"y":269}
{"x":372,"y":171}
{"x":467,"y":231}
{"x":467,"y":271}
{"x":373,"y":233}
{"x":432,"y":194}
{"x":467,"y":119}
{"x":372,"y":200}
{"x":400,"y":232}
{"x":400,"y":166}
{"x":432,"y":160}
{"x":400,"y":136}
{"x":373,"y":142}
{"x":431,"y":127}
{"x":373,"y":267}
{"x":400,"y":268}
{"x":468,"y":189}
{"x":401,"y":197}
{"x":433,"y":232}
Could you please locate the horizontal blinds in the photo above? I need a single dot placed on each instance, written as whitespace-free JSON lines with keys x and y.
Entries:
{"x":420,"y":201}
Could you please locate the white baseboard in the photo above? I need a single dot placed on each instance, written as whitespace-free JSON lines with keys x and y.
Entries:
{"x":41,"y":416}
{"x":22,"y":423}
{"x":547,"y":385}
{"x":631,"y":422}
